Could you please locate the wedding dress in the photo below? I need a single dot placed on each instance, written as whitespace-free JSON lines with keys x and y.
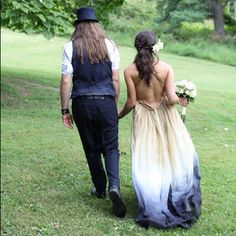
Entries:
{"x":165,"y":169}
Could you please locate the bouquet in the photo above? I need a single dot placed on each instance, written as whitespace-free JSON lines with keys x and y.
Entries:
{"x":187,"y":89}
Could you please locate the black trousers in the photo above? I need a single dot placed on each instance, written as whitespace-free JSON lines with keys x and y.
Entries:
{"x":97,"y":121}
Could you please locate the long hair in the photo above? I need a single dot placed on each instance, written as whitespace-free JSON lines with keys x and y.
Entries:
{"x":144,"y":59}
{"x":89,"y":39}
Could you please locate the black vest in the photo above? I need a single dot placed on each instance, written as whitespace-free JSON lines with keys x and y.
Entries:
{"x":91,"y":78}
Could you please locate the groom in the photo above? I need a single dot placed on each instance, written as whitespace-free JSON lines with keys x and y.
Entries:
{"x":91,"y":62}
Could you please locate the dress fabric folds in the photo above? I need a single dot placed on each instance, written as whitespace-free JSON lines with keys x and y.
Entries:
{"x":165,"y":169}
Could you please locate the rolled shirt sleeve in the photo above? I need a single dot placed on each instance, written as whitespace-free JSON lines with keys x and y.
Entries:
{"x":66,"y":65}
{"x":113,"y":53}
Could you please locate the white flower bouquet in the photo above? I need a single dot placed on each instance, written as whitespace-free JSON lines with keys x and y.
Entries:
{"x":187,"y":89}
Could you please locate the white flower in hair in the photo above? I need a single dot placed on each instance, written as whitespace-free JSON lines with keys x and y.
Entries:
{"x":157,"y":47}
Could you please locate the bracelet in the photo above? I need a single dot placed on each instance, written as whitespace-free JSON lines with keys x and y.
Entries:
{"x":65,"y":111}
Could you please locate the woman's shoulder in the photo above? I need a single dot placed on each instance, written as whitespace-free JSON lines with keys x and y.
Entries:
{"x":131,"y":71}
{"x":164,"y":64}
{"x":130,"y":68}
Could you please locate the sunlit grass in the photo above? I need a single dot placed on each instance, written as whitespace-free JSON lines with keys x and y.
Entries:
{"x":44,"y":175}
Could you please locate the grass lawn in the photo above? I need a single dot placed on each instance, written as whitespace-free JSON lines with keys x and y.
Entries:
{"x":45,"y":182}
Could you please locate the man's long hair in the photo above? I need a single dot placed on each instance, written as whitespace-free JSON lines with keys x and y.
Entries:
{"x":89,"y":39}
{"x":144,"y":59}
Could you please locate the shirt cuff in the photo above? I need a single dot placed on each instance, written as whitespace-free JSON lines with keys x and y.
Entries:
{"x":66,"y":69}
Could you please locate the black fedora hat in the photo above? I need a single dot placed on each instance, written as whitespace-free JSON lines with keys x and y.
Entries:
{"x":85,"y":14}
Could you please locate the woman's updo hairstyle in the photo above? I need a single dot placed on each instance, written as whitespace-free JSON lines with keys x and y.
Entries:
{"x":144,"y":41}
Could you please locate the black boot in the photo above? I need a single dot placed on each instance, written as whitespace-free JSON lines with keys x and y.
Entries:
{"x":119,"y":208}
{"x":98,"y":194}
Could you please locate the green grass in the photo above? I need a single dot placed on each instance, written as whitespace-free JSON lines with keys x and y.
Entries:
{"x":209,"y":50}
{"x":45,"y":183}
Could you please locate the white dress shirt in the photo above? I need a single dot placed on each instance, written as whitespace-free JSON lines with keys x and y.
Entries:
{"x":66,"y":66}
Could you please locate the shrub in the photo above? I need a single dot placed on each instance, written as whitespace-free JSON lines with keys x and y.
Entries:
{"x":192,"y":30}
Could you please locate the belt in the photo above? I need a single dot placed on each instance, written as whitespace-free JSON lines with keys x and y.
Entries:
{"x":100,"y":97}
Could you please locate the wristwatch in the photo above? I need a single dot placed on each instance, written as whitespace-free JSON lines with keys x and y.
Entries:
{"x":65,"y":111}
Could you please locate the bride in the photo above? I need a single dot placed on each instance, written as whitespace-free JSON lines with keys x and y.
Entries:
{"x":165,"y":169}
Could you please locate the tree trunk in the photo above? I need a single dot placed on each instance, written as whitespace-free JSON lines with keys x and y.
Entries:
{"x":218,"y":17}
{"x":235,"y":8}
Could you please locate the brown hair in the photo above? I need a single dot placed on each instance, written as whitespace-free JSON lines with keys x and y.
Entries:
{"x":90,"y":39}
{"x":144,"y":59}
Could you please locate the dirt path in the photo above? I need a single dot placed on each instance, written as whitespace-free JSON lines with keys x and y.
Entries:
{"x":35,"y":85}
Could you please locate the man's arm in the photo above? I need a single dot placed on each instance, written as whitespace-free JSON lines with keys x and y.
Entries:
{"x":116,"y":83}
{"x":65,"y":88}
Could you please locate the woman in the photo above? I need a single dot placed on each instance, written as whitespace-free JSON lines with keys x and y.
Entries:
{"x":91,"y":63}
{"x":165,"y":171}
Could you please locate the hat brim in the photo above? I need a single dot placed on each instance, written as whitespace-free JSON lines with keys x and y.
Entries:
{"x":76,"y":22}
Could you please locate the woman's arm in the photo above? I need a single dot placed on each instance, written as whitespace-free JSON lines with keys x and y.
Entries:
{"x":170,"y":90}
{"x":131,"y":94}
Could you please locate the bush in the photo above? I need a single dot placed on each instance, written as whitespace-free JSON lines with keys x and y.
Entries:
{"x":134,"y":16}
{"x":191,"y":30}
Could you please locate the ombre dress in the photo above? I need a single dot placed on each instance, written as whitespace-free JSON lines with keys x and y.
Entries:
{"x":165,"y":168}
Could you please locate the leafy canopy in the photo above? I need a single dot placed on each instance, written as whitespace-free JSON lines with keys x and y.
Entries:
{"x":51,"y":16}
{"x":177,"y":11}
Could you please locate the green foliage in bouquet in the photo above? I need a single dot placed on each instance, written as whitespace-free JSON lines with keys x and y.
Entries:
{"x":187,"y":89}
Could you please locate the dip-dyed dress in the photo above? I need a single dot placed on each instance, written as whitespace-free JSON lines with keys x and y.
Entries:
{"x":165,"y":168}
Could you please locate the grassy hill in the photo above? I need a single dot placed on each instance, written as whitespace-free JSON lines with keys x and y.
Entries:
{"x":45,"y":183}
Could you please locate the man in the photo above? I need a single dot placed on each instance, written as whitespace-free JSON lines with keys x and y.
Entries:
{"x":91,"y":63}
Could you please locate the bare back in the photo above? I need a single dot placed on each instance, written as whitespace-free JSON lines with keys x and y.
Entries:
{"x":161,"y":84}
{"x":151,"y":94}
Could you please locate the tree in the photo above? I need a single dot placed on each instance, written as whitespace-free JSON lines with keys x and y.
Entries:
{"x":235,"y":9}
{"x":177,"y":11}
{"x":51,"y":17}
{"x":218,"y":16}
